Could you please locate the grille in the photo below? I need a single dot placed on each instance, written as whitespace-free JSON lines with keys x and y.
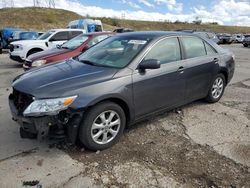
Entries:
{"x":21,"y":100}
{"x":11,"y":47}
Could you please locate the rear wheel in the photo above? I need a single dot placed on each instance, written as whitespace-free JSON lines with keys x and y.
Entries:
{"x":245,"y":45}
{"x":102,"y":126}
{"x":216,"y":89}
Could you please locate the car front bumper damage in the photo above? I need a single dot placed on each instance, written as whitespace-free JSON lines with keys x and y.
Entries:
{"x":63,"y":125}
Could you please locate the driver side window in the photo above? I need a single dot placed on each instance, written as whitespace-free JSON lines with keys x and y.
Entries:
{"x":166,"y":51}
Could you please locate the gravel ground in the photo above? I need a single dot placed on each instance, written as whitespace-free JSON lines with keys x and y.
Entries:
{"x":198,"y":145}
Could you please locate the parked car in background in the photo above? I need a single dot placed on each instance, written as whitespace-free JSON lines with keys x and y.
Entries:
{"x":225,"y":38}
{"x":246,"y":41}
{"x":69,"y":49}
{"x":117,"y":82}
{"x":23,"y":35}
{"x":6,"y":34}
{"x":210,"y":35}
{"x":206,"y":34}
{"x":20,"y":50}
{"x":238,"y":38}
{"x":40,"y":33}
{"x":89,"y":25}
{"x":123,"y":30}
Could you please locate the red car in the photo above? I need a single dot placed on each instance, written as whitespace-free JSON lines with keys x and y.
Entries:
{"x":69,"y":49}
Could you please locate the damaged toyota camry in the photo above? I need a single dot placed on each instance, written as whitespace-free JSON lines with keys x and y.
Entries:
{"x":120,"y":81}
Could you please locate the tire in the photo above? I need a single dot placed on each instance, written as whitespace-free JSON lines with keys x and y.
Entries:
{"x":245,"y":45}
{"x":98,"y":114}
{"x":216,"y":90}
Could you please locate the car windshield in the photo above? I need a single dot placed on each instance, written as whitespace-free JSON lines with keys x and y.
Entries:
{"x":114,"y":52}
{"x":45,"y":35}
{"x":28,"y":35}
{"x":75,"y":42}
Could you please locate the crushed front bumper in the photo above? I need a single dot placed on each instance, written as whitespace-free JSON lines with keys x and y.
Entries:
{"x":16,"y":58}
{"x":38,"y":126}
{"x":41,"y":127}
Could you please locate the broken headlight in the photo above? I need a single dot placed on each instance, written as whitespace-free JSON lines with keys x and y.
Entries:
{"x":48,"y":106}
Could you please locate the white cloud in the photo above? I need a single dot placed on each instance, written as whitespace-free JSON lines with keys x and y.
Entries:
{"x":227,"y":12}
{"x":131,"y":4}
{"x":172,"y":5}
{"x":145,"y":2}
{"x":236,"y":12}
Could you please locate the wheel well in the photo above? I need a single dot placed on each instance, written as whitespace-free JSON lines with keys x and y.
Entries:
{"x":225,"y":75}
{"x":34,"y":50}
{"x":122,"y":104}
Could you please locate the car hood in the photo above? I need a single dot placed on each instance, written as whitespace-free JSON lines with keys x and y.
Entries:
{"x":61,"y":79}
{"x":47,"y":53}
{"x":24,"y":42}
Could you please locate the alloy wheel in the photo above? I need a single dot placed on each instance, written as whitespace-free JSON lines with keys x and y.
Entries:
{"x":217,"y":88}
{"x":105,"y":127}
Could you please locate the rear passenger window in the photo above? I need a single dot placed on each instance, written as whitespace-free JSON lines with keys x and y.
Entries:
{"x":194,"y":47}
{"x":73,"y":34}
{"x":210,"y":50}
{"x":166,"y":51}
{"x":60,"y":36}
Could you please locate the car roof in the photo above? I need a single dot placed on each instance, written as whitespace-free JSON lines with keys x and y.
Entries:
{"x":99,"y":33}
{"x":155,"y":34}
{"x":66,"y":29}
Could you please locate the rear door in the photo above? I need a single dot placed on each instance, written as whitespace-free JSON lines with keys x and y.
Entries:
{"x":58,"y":38}
{"x":161,"y":88}
{"x":73,"y":34}
{"x":201,"y":65}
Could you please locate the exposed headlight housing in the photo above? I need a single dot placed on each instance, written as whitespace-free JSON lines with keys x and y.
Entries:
{"x":39,"y":63}
{"x":48,"y":106}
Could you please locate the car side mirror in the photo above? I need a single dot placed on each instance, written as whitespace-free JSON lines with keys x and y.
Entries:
{"x":58,"y":46}
{"x":149,"y":64}
{"x":85,"y":48}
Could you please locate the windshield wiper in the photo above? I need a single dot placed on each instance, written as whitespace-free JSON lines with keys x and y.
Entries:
{"x":88,"y":62}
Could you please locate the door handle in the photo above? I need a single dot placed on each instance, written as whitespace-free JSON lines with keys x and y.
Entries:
{"x":181,"y":69}
{"x":216,"y":60}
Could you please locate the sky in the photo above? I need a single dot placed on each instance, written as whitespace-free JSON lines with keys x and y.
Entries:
{"x":225,"y":12}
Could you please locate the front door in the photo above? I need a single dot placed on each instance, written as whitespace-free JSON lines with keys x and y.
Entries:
{"x":164,"y":87}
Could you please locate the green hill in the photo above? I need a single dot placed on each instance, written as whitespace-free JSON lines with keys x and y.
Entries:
{"x":42,"y":19}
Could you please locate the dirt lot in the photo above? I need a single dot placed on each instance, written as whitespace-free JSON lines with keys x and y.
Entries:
{"x":198,"y":145}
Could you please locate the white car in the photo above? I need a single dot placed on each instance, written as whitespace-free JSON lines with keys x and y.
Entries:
{"x":20,"y":50}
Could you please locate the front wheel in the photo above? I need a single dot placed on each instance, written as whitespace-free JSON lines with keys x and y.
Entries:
{"x":216,"y":89}
{"x":102,"y":126}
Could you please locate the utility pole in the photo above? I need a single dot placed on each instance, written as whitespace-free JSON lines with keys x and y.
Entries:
{"x":36,"y":3}
{"x":11,"y":3}
{"x":52,"y":4}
